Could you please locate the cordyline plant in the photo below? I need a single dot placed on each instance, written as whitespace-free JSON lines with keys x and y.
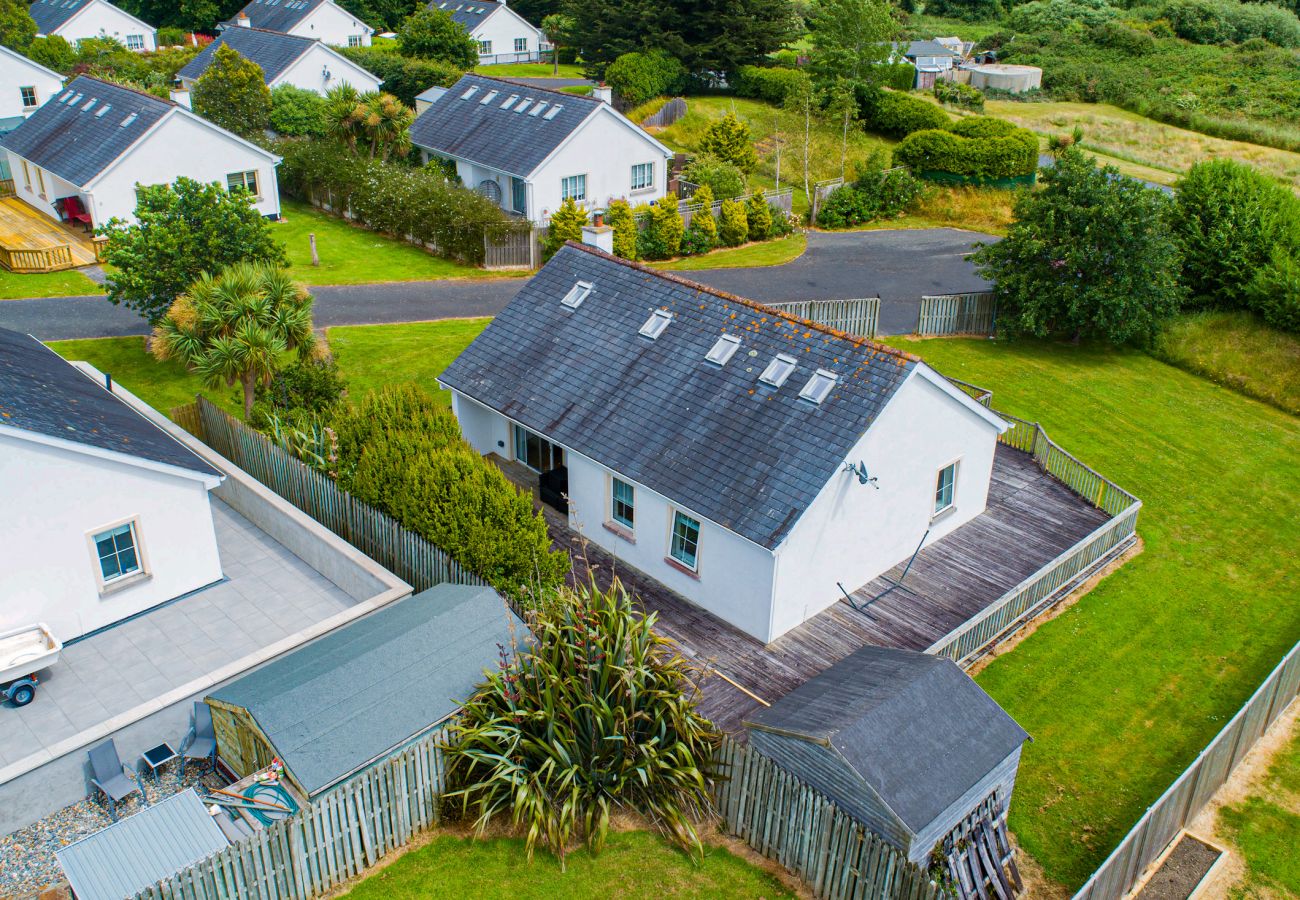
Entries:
{"x":596,"y":714}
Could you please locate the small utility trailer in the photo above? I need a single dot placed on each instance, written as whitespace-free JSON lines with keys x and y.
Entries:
{"x":24,"y":652}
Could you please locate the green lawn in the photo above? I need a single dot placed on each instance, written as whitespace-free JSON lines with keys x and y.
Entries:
{"x":1123,"y":690}
{"x":162,"y":385}
{"x":530,"y":70}
{"x":1264,"y":828}
{"x":52,"y":284}
{"x":350,"y":255}
{"x":371,"y":356}
{"x":769,"y":253}
{"x":632,"y":865}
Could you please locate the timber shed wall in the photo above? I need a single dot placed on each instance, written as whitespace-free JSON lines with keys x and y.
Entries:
{"x":1001,"y":779}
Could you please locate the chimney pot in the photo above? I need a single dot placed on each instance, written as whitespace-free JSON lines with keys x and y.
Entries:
{"x":243,"y":21}
{"x":604,"y":93}
{"x":599,"y":236}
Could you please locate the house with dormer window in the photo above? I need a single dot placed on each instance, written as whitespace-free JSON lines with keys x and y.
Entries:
{"x":529,"y":149}
{"x":502,"y":35}
{"x":77,"y":20}
{"x":757,"y":464}
{"x":304,"y":62}
{"x":322,"y":20}
{"x":24,"y":86}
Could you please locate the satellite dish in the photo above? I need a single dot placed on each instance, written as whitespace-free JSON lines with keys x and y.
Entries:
{"x":860,"y":472}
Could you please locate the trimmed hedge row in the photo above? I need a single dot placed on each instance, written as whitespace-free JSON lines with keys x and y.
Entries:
{"x":402,"y":76}
{"x":770,"y":84}
{"x":982,"y":148}
{"x":898,"y":114}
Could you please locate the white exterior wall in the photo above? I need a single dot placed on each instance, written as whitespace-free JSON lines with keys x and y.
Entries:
{"x":308,"y":73}
{"x":56,"y":498}
{"x":16,"y":72}
{"x":102,"y":19}
{"x":852,"y":532}
{"x":55,"y":187}
{"x":503,"y":28}
{"x":334,"y":25}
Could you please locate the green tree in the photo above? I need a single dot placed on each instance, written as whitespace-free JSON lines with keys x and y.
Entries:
{"x":850,"y":39}
{"x":297,"y":112}
{"x":53,"y":52}
{"x":232,"y":93}
{"x":733,"y":224}
{"x":723,"y":179}
{"x":759,"y":216}
{"x":342,"y":115}
{"x":566,"y":225}
{"x":233,"y":328}
{"x":385,"y":124}
{"x":430,"y":33}
{"x":1089,"y":255}
{"x":662,"y":237}
{"x":17,"y":27}
{"x":730,"y":139}
{"x":558,"y":29}
{"x":639,"y":77}
{"x":180,"y":231}
{"x":702,"y":221}
{"x":619,"y":217}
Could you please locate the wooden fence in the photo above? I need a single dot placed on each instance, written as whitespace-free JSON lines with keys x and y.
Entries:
{"x":822,"y":190}
{"x":973,"y":313}
{"x":36,"y":259}
{"x":514,"y":248}
{"x":376,"y":534}
{"x":1189,"y":793}
{"x":669,"y":113}
{"x":782,"y":200}
{"x":857,"y":317}
{"x":336,"y":837}
{"x":797,"y":827}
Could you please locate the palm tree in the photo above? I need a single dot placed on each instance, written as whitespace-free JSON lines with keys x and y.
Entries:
{"x":386,"y":121}
{"x":343,"y":115}
{"x":233,"y":328}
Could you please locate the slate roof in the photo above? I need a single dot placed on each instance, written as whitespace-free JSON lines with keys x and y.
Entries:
{"x":467,"y":13}
{"x":276,"y":15}
{"x":502,"y":139}
{"x":271,"y":50}
{"x":51,"y":15}
{"x":72,"y":136}
{"x":336,"y":704}
{"x":914,"y":726}
{"x":926,"y":48}
{"x":716,"y":440}
{"x":42,"y":393}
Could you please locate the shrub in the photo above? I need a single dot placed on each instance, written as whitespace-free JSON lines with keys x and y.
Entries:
{"x":53,"y":52}
{"x":730,"y":140}
{"x":619,"y":217}
{"x":1009,"y":156}
{"x":1274,"y":292}
{"x":400,"y":450}
{"x":895,"y":113}
{"x":759,"y":216}
{"x":957,"y":94}
{"x":1116,"y":36}
{"x":901,"y":76}
{"x":982,"y":127}
{"x":593,"y":716}
{"x":723,"y":179}
{"x":431,"y":33}
{"x":296,"y":406}
{"x":662,"y":236}
{"x":1059,"y":16}
{"x":402,"y":77}
{"x":171,"y":37}
{"x":566,"y":225}
{"x":232,"y":93}
{"x":296,"y":112}
{"x":769,"y":84}
{"x":875,"y":195}
{"x":783,"y":223}
{"x":702,"y":222}
{"x":1229,"y":21}
{"x":639,"y":77}
{"x":733,"y":224}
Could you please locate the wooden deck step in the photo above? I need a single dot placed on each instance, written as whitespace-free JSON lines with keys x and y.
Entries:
{"x":31,"y":241}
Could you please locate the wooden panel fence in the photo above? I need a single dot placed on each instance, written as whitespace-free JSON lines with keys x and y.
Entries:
{"x":514,"y":248}
{"x":821,"y":191}
{"x":800,"y":829}
{"x":782,"y":200}
{"x":972,"y":313}
{"x":669,"y":113}
{"x":1189,"y":793}
{"x":857,"y":317}
{"x":35,"y":260}
{"x":374,"y":533}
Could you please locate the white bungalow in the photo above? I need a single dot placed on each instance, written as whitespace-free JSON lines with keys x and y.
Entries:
{"x":323,"y":20}
{"x":76,"y":20}
{"x":24,"y":86}
{"x":502,"y":35}
{"x":307,"y":63}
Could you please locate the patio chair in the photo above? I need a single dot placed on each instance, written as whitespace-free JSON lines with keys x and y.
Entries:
{"x":111,"y":777}
{"x":200,"y":742}
{"x":73,"y":211}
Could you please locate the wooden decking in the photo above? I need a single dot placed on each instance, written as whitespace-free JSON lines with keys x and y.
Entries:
{"x":1031,"y":518}
{"x":31,"y":241}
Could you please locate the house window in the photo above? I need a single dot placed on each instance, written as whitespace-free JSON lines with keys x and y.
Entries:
{"x":573,"y":187}
{"x":485,"y":48}
{"x":521,"y":45}
{"x":819,"y":386}
{"x":135,"y":42}
{"x":723,"y":349}
{"x":29,"y":96}
{"x":242,"y":181}
{"x":40,"y":181}
{"x":116,"y":551}
{"x":519,"y":196}
{"x":622,"y":506}
{"x":643,"y":176}
{"x":27,"y":176}
{"x":354,"y":40}
{"x":535,"y":451}
{"x":685,"y":545}
{"x":945,"y":488}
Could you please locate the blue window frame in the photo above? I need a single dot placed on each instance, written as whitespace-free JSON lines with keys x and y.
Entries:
{"x":117,"y":553}
{"x":623,"y":504}
{"x":685,"y":545}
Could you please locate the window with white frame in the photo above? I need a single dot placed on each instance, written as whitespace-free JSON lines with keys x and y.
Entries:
{"x":485,"y":48}
{"x":819,"y":386}
{"x":135,"y":42}
{"x":355,"y":40}
{"x":521,"y":45}
{"x":27,"y":176}
{"x":685,"y":544}
{"x":242,"y":181}
{"x":40,"y":181}
{"x":622,"y":507}
{"x":573,"y":187}
{"x":655,"y":325}
{"x":778,"y":370}
{"x":29,"y":96}
{"x":643,"y":176}
{"x":945,"y":488}
{"x":117,"y":552}
{"x":723,"y":349}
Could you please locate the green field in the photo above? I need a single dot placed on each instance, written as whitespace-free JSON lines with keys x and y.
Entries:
{"x":162,"y":385}
{"x":50,"y":284}
{"x":1123,"y":690}
{"x":530,"y":70}
{"x":370,"y":356}
{"x":1264,"y":828}
{"x":769,"y":253}
{"x":1237,"y":350}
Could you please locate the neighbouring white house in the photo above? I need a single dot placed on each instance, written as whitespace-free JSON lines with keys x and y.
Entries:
{"x":502,"y":35}
{"x":757,"y":464}
{"x":324,"y":20}
{"x":528,"y":149}
{"x":76,"y":20}
{"x":24,"y":86}
{"x":106,"y":515}
{"x":933,"y":59}
{"x":97,"y":141}
{"x":307,"y":63}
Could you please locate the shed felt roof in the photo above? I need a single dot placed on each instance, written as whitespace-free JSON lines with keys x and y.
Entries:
{"x":272,"y":50}
{"x":50,"y":15}
{"x":72,"y":136}
{"x":276,"y":15}
{"x":42,"y":393}
{"x":716,"y":440}
{"x":914,"y":726}
{"x":137,"y":852}
{"x":503,"y":139}
{"x":340,"y":702}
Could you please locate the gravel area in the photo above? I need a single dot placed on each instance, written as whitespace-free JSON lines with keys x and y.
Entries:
{"x":27,"y":861}
{"x":1181,"y":872}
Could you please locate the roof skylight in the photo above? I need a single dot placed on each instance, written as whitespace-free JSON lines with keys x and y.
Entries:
{"x":778,"y":370}
{"x":541,"y":105}
{"x":469,"y":93}
{"x":103,"y":111}
{"x":523,"y":106}
{"x":510,"y":102}
{"x":89,"y":103}
{"x":655,"y":325}
{"x":553,"y":112}
{"x":128,"y":120}
{"x":573,"y":299}
{"x":819,"y":386}
{"x":722,"y":351}
{"x":489,"y":97}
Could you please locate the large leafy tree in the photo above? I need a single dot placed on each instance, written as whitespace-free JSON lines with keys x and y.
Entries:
{"x":850,"y":39}
{"x":1090,"y":255}
{"x":17,"y":27}
{"x":730,"y":139}
{"x":180,"y":231}
{"x":233,"y":94}
{"x":233,"y":328}
{"x":431,"y":33}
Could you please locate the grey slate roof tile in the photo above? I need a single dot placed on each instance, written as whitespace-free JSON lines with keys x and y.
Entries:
{"x":913,"y":726}
{"x":51,"y":15}
{"x":271,"y":50}
{"x":510,"y":142}
{"x":467,"y":13}
{"x":276,"y":15}
{"x":78,"y":140}
{"x":714,"y":440}
{"x":42,"y":393}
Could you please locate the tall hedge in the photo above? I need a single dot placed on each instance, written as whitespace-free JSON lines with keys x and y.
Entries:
{"x":394,"y":199}
{"x":401,"y":451}
{"x":403,"y":77}
{"x":638,"y":77}
{"x":898,"y":114}
{"x":768,"y":83}
{"x":1008,"y":156}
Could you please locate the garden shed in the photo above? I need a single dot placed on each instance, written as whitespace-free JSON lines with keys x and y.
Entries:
{"x":1004,"y":77}
{"x":331,"y":708}
{"x":907,"y":744}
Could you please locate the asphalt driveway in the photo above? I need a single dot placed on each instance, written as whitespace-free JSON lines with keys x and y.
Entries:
{"x":898,"y":266}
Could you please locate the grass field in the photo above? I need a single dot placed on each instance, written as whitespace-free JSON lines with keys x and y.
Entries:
{"x":1237,"y":350}
{"x":49,"y":284}
{"x":978,"y":209}
{"x":162,"y":385}
{"x":1122,"y":691}
{"x":633,"y":865}
{"x":530,"y":70}
{"x":1264,"y":828}
{"x":370,"y":356}
{"x":769,"y":253}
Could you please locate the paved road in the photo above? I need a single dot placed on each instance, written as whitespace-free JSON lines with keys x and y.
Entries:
{"x":897,"y":266}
